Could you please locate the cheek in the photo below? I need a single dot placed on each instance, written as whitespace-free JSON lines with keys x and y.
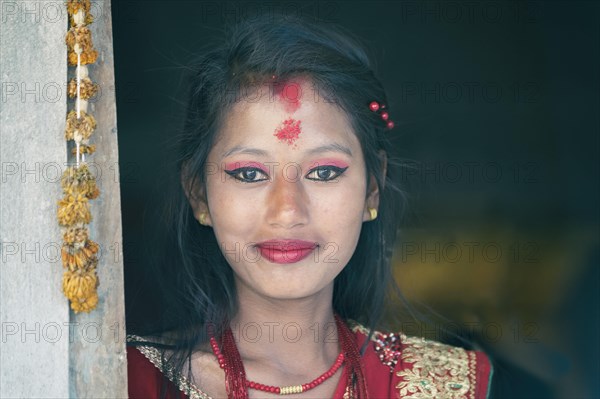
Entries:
{"x":339,"y":212}
{"x":345,"y":198}
{"x":230,"y":212}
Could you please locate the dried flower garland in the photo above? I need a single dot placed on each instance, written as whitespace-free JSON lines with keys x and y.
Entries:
{"x":79,"y":252}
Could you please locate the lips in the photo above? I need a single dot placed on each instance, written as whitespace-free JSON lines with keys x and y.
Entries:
{"x":286,"y":251}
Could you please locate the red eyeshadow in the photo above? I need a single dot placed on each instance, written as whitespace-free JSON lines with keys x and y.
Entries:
{"x":288,"y":131}
{"x":329,"y":161}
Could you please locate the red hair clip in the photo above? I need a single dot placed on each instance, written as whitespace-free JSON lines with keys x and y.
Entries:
{"x":376,"y":107}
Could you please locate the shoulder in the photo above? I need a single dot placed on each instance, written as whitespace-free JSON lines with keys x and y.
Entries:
{"x":144,"y":376}
{"x":417,"y":367}
{"x":150,"y":376}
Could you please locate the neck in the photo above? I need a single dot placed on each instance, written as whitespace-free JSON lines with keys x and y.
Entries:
{"x":293,"y":331}
{"x":282,"y":343}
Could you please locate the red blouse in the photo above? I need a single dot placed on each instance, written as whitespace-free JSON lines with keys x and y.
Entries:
{"x":396,"y":366}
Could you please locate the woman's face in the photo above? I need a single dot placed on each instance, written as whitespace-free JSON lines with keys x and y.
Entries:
{"x":286,"y":193}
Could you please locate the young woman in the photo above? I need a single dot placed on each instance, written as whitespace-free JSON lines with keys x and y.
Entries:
{"x":285,"y":219}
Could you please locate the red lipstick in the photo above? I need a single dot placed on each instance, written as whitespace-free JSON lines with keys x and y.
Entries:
{"x":286,"y":251}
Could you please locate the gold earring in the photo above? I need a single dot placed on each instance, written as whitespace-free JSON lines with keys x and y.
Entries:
{"x":373,"y":213}
{"x":202,"y":218}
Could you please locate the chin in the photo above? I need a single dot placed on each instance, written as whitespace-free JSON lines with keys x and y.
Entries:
{"x":287,"y":291}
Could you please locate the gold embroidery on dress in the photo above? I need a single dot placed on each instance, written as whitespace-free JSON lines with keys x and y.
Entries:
{"x":387,"y":346}
{"x":438,"y":370}
{"x":350,"y":391}
{"x":357,"y":327}
{"x":472,"y":371}
{"x":184,"y":384}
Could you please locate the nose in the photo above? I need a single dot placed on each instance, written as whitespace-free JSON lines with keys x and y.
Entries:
{"x":287,"y":202}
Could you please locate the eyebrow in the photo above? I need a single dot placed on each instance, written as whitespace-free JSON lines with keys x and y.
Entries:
{"x":333,"y":147}
{"x":238,"y":149}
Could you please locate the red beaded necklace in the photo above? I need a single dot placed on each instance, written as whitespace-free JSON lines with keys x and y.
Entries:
{"x":237,"y":385}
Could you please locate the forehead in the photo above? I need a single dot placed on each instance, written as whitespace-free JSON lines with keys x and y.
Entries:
{"x":255,"y":118}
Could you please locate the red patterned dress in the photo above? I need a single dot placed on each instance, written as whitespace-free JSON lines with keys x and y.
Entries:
{"x":396,"y":366}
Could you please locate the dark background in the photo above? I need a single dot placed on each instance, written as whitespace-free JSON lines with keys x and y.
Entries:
{"x":496,"y":107}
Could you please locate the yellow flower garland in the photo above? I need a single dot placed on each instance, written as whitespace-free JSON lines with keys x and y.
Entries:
{"x":79,"y":253}
{"x":79,"y":42}
{"x":81,"y":128}
{"x":88,"y":89}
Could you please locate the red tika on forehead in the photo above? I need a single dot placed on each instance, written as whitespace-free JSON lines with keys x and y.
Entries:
{"x":288,"y":131}
{"x":289,"y":94}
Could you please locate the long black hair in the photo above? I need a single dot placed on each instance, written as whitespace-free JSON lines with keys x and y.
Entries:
{"x":197,"y":283}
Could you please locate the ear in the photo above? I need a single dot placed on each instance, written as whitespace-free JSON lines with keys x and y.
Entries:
{"x":196,"y":194}
{"x":372,"y":199}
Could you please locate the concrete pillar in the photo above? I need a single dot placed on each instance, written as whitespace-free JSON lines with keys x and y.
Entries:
{"x":46,"y":350}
